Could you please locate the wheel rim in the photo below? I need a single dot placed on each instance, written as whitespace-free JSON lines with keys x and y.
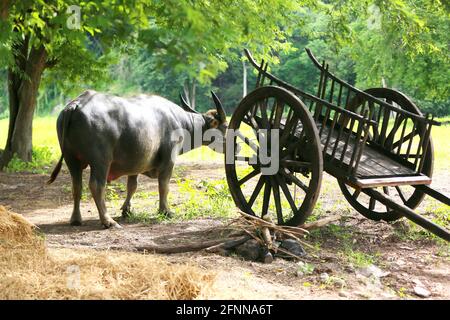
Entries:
{"x":408,"y":195}
{"x":289,"y":194}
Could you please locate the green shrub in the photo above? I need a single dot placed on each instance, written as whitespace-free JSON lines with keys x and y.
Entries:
{"x":205,"y":199}
{"x":41,"y":162}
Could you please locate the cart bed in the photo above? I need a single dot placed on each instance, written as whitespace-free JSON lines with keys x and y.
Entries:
{"x":375,"y":168}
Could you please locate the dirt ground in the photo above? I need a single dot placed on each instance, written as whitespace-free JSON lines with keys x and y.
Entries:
{"x":400,"y":266}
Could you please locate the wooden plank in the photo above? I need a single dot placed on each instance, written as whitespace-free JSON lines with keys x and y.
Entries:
{"x":392,"y":181}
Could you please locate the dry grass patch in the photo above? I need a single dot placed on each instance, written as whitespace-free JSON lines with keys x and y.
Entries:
{"x":30,"y":271}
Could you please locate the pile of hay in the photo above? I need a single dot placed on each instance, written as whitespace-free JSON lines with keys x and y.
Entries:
{"x":15,"y":230}
{"x":30,"y":271}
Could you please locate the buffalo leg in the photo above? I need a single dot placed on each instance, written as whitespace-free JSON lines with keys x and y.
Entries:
{"x":76,"y":172}
{"x":163,"y":186}
{"x":131,"y":189}
{"x":97,"y":184}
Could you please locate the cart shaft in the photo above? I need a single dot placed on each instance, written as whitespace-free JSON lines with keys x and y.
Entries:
{"x":410,"y":214}
{"x":433,"y":193}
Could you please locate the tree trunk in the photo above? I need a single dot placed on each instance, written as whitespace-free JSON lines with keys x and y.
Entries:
{"x":23,"y":85}
{"x":4,"y":9}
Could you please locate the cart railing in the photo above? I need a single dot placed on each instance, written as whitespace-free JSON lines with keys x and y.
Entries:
{"x":348,"y":119}
{"x":326,"y":73}
{"x":343,"y":133}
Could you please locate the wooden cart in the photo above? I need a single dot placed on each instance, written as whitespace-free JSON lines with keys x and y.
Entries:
{"x":376,"y":143}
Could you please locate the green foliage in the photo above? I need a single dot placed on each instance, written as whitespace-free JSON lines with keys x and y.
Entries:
{"x":145,"y":217}
{"x":220,"y":27}
{"x":359,"y":258}
{"x":436,"y":212}
{"x":343,"y":238}
{"x":42,"y":160}
{"x":411,"y":55}
{"x":126,"y":47}
{"x":416,"y":62}
{"x":305,"y":268}
{"x":205,"y":199}
{"x":115,"y":191}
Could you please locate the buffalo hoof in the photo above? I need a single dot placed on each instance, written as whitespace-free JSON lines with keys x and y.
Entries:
{"x":126,"y":210}
{"x":166,"y":214}
{"x":126,"y":214}
{"x":112,"y":225}
{"x":75,"y":223}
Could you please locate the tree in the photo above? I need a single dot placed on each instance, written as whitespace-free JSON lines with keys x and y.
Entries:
{"x":39,"y":35}
{"x":419,"y":64}
{"x":403,"y":42}
{"x":36,"y":37}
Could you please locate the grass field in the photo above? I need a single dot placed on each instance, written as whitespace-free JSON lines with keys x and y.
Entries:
{"x":44,"y":136}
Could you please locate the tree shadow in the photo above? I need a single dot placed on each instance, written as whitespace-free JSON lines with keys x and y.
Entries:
{"x":132,"y":235}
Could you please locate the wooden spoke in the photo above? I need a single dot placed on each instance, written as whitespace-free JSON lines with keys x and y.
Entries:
{"x":386,"y":191}
{"x":286,"y":193}
{"x":265,"y":120}
{"x":287,"y":120}
{"x":276,"y":196}
{"x":356,"y":193}
{"x":249,"y":176}
{"x":249,"y":120}
{"x":279,"y":107}
{"x":272,"y":112}
{"x":390,"y":138}
{"x":289,"y":126}
{"x":266,"y":199}
{"x":406,"y":138}
{"x":290,"y":176}
{"x":400,"y":193}
{"x":250,"y":143}
{"x":257,"y":190}
{"x":372,"y":202}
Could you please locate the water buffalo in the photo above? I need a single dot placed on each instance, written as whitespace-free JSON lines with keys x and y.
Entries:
{"x":127,"y":136}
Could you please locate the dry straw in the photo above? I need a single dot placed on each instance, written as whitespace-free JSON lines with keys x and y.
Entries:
{"x":30,"y":271}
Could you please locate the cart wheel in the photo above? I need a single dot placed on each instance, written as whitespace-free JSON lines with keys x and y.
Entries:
{"x":408,"y":195}
{"x":287,"y":186}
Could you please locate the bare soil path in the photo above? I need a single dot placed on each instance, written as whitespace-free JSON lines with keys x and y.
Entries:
{"x":355,"y":259}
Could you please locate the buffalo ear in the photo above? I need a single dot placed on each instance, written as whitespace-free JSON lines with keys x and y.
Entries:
{"x":185,"y":105}
{"x":219,"y":107}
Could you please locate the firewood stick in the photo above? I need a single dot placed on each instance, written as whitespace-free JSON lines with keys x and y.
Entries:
{"x":320,"y":223}
{"x":270,"y":224}
{"x":184,"y":248}
{"x":289,"y":253}
{"x":229,"y":244}
{"x":267,"y":237}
